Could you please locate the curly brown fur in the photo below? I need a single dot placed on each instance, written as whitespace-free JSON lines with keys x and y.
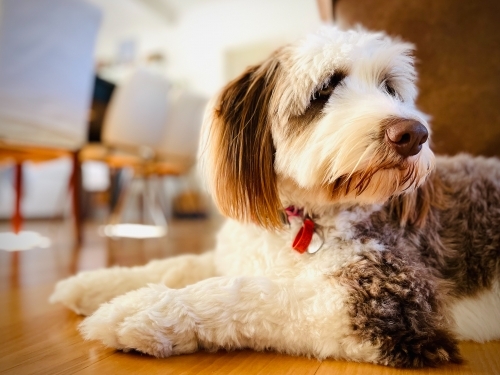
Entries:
{"x":452,"y":223}
{"x":394,"y":302}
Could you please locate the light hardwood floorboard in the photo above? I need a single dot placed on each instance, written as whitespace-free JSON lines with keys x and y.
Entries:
{"x":39,"y":338}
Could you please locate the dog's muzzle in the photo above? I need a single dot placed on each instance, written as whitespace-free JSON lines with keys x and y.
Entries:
{"x":406,"y":137}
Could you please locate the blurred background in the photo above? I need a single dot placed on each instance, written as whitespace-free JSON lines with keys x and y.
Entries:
{"x":192,"y":47}
{"x":101,"y":103}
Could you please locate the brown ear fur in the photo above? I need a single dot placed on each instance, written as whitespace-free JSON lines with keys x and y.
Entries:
{"x":242,"y":150}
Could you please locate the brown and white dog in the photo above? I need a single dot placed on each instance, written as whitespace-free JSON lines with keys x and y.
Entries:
{"x":346,"y":238}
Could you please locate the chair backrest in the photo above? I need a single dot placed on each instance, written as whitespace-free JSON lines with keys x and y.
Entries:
{"x":180,"y":141}
{"x":46,"y":70}
{"x":137,"y":113}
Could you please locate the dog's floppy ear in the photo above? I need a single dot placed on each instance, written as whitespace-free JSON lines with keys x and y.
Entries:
{"x":241,"y":150}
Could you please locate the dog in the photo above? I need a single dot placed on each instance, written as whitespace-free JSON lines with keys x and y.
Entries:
{"x":346,"y":237}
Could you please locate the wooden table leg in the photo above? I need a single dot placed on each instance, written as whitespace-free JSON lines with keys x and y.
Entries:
{"x":76,"y":192}
{"x":17,"y":217}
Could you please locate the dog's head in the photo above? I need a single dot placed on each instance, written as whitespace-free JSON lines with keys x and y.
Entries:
{"x":330,"y":119}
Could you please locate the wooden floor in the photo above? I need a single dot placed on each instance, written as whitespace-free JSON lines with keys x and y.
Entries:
{"x":39,"y":338}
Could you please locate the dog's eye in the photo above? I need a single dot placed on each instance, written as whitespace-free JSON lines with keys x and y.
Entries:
{"x":324,"y":93}
{"x":389,"y":89}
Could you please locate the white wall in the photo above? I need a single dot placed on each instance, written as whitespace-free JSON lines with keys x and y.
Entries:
{"x":127,"y":20}
{"x":195,"y":44}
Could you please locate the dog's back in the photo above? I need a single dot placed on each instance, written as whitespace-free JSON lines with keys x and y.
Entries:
{"x":470,"y":238}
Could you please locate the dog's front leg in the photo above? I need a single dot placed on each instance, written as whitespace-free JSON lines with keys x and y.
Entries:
{"x":86,"y":291}
{"x":299,"y":317}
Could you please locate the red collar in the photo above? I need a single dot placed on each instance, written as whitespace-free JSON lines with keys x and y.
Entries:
{"x":304,"y":236}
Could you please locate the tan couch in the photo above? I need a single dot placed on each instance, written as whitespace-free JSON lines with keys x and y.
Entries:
{"x":458,"y":54}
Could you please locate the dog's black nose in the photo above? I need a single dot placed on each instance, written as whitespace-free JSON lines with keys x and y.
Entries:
{"x":407,"y":137}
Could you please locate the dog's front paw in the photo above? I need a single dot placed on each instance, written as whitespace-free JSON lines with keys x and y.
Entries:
{"x":85,"y":292}
{"x":431,"y":351}
{"x":79,"y":293}
{"x":148,"y":320}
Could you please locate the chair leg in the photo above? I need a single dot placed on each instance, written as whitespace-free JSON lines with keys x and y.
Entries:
{"x":76,"y":188}
{"x":17,"y":218}
{"x":123,"y":186}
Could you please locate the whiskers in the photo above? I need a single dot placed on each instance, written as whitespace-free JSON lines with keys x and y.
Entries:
{"x":385,"y":175}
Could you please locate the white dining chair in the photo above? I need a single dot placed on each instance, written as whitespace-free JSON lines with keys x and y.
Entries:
{"x":134,"y":125}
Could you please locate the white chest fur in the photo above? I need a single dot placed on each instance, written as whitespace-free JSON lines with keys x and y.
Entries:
{"x":476,"y":318}
{"x":246,"y":249}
